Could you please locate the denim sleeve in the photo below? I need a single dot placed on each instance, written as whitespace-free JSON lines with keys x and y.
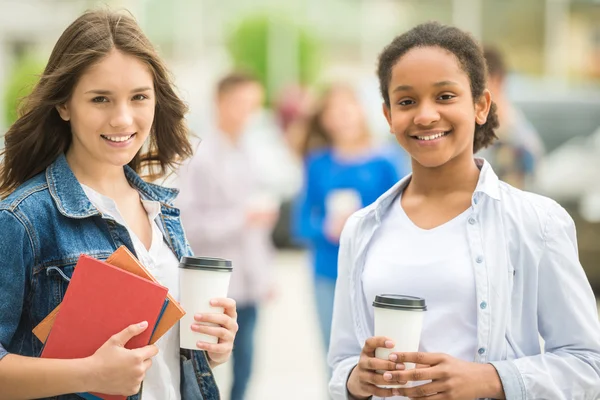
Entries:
{"x":16,"y":252}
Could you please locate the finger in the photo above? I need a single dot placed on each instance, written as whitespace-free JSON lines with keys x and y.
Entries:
{"x":439,"y":396}
{"x":218,"y":348}
{"x":413,"y":375}
{"x":128,"y":333}
{"x":229,"y":305}
{"x":377,"y":364}
{"x":147,"y":364}
{"x":377,"y":391}
{"x":223,"y":320}
{"x":376,"y":379}
{"x":374,"y":342}
{"x":221,"y":333}
{"x":418,"y":358}
{"x":423,"y":391}
{"x":146,"y":352}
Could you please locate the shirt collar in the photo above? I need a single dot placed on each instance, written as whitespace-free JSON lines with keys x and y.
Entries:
{"x":488,"y":184}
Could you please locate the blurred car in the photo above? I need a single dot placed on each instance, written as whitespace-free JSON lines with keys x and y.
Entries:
{"x":569,"y":125}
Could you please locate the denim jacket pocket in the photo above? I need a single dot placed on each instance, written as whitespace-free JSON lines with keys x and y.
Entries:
{"x":189,"y":383}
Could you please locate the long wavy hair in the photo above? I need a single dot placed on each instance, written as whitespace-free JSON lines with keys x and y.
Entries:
{"x":40,"y":136}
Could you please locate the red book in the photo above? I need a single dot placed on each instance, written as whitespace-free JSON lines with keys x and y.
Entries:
{"x":102,"y":300}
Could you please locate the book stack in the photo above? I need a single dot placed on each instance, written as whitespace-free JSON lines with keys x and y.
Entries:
{"x":102,"y":299}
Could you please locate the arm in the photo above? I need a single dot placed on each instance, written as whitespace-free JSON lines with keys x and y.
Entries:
{"x":204,"y":215}
{"x":309,"y":209}
{"x":568,"y":322}
{"x":345,"y":348}
{"x":25,"y":377}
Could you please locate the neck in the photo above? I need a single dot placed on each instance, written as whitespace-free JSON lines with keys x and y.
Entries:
{"x":109,"y":181}
{"x":231,"y":132}
{"x":460,"y":174}
{"x":352,"y":147}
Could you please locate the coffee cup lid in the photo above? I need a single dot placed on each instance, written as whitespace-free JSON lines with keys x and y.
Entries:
{"x":400,"y":302}
{"x":206,"y":263}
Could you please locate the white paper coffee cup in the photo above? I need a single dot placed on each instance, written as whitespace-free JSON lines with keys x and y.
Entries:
{"x":399,"y":318}
{"x":200,"y":280}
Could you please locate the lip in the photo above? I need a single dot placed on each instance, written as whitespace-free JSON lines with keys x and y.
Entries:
{"x":119,"y":144}
{"x":432,"y":142}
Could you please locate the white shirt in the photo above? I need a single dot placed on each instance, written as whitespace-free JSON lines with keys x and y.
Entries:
{"x":528,"y":282}
{"x":162,"y":380}
{"x":404,"y":259}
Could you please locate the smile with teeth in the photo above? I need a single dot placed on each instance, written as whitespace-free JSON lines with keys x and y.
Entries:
{"x":433,"y":137}
{"x":118,"y":139}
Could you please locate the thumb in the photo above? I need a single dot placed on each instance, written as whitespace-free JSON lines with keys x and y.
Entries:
{"x":132,"y":330}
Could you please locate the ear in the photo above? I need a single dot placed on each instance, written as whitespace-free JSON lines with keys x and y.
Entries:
{"x":388,"y":114}
{"x":482,"y":107}
{"x":63,"y":111}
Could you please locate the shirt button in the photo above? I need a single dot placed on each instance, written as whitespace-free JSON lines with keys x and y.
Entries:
{"x":472,"y":221}
{"x":475,"y":200}
{"x":483,"y":305}
{"x":481,"y":351}
{"x":479,"y":259}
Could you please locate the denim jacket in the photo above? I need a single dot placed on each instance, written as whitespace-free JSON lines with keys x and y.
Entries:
{"x":46,"y":224}
{"x":528,"y":282}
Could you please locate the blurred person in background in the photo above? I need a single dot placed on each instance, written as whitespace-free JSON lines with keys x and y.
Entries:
{"x":519,"y":147}
{"x":226,"y":214}
{"x":343,"y":173}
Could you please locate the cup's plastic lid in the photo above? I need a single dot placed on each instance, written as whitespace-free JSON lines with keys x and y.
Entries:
{"x":400,"y":302}
{"x":206,"y":263}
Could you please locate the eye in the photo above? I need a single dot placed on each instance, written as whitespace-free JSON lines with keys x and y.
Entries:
{"x":406,"y":102}
{"x":139,"y":97}
{"x":446,"y":97}
{"x":99,"y":99}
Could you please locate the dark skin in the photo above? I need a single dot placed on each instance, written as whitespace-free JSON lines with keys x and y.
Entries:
{"x":433,"y":115}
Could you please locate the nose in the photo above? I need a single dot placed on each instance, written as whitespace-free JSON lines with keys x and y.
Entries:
{"x":427,"y":114}
{"x":122,"y":116}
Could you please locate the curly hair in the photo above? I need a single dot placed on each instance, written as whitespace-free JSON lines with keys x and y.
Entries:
{"x":465,"y":49}
{"x":39,"y":135}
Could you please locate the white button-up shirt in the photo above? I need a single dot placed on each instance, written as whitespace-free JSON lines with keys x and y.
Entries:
{"x":528,"y":275}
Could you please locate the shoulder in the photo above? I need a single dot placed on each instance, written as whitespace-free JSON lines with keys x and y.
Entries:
{"x":34,"y":191}
{"x":533,"y":210}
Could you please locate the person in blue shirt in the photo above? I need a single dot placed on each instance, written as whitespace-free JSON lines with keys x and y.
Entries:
{"x":498,"y":267}
{"x":103,"y":113}
{"x":343,"y":172}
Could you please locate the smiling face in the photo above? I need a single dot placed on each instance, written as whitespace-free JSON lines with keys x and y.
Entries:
{"x":432,"y":112}
{"x":111,"y":111}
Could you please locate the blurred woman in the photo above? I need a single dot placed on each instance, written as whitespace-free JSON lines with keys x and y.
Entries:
{"x":343,"y":173}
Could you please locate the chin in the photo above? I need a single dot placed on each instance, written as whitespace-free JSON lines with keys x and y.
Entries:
{"x":431,"y":161}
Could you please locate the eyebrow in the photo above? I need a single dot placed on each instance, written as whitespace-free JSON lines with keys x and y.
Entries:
{"x":105,"y":92}
{"x":404,"y":88}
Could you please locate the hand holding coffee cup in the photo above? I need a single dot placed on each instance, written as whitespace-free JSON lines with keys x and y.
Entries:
{"x":204,"y":283}
{"x":401,"y":319}
{"x":222,"y":326}
{"x":364,"y":380}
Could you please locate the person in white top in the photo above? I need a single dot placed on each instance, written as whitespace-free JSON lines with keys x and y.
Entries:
{"x":498,"y":267}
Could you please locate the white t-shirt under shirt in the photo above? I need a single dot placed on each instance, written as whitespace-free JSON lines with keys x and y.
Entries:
{"x":163,"y":378}
{"x":434,"y":264}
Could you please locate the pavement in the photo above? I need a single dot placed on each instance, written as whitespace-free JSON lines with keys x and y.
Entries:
{"x":290,"y":359}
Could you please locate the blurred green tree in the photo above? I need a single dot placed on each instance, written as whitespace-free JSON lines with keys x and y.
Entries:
{"x":277,"y":50}
{"x":21,"y":80}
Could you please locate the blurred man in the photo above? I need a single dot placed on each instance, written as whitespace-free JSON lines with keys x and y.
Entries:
{"x":519,"y":148}
{"x":226,"y":216}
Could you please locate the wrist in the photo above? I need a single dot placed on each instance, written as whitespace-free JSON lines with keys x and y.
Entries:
{"x":491,"y":383}
{"x":353,"y":392}
{"x":86,"y":373}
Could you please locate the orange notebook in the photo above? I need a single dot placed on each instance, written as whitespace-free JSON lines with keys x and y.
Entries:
{"x":102,"y":300}
{"x":122,"y":258}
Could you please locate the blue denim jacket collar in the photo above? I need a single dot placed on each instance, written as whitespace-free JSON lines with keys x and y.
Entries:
{"x":72,"y":202}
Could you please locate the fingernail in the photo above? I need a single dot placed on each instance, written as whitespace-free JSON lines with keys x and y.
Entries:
{"x":395,"y":392}
{"x":400,"y":366}
{"x":200,"y":344}
{"x":143,"y":324}
{"x":387,"y":376}
{"x":198,"y":317}
{"x":389,"y":343}
{"x":213,"y":302}
{"x":393,"y":357}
